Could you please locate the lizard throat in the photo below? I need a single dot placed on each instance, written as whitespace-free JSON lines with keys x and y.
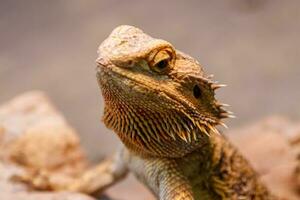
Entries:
{"x":153,"y":133}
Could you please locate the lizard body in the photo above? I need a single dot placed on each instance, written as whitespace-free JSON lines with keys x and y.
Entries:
{"x":162,"y":106}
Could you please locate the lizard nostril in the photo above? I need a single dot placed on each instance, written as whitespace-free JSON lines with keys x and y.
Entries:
{"x":197,"y":92}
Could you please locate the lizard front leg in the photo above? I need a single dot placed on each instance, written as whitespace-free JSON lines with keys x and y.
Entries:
{"x":172,"y":184}
{"x":162,"y":176}
{"x":93,"y":181}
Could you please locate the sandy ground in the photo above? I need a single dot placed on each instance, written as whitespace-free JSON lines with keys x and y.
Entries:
{"x":251,"y":45}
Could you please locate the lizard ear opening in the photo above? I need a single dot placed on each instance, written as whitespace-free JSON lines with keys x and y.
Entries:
{"x":197,"y":92}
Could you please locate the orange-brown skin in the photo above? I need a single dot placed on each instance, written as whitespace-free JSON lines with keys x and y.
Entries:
{"x":162,"y":106}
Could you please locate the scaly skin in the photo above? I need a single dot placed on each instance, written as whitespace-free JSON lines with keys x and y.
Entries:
{"x":162,"y":106}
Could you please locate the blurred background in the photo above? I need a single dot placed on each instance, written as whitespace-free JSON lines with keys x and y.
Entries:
{"x":253,"y":46}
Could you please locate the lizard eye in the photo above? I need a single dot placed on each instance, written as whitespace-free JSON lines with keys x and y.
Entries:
{"x":197,"y":92}
{"x":161,"y":61}
{"x":162,"y":64}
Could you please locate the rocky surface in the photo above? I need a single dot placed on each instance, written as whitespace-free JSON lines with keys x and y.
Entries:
{"x":33,"y":135}
{"x":31,"y":129}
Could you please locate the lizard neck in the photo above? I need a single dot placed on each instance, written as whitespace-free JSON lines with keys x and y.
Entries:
{"x":151,"y":132}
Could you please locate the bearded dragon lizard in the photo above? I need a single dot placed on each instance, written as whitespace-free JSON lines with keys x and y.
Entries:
{"x":162,"y":106}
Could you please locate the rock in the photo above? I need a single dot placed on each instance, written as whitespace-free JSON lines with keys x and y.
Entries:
{"x":44,"y":196}
{"x":34,"y":135}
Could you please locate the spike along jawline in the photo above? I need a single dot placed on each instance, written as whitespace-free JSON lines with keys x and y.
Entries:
{"x":202,"y":128}
{"x":223,"y":124}
{"x":217,"y":86}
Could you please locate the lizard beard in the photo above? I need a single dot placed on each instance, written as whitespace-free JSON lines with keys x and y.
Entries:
{"x":154,"y":132}
{"x":151,"y":125}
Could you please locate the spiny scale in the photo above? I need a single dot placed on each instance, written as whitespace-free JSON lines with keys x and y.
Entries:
{"x":223,"y":124}
{"x":217,"y":86}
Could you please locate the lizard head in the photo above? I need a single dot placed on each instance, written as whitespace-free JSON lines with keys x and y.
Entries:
{"x":154,"y":92}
